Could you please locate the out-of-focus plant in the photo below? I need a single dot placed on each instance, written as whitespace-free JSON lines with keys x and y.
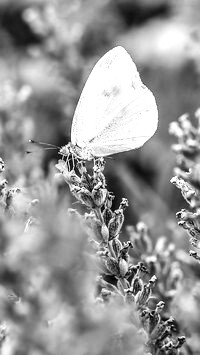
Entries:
{"x":187,"y":173}
{"x":160,"y":259}
{"x":16,"y":125}
{"x":186,"y":303}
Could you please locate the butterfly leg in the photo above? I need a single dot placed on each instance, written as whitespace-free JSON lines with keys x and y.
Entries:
{"x":68,"y":163}
{"x":73,"y":162}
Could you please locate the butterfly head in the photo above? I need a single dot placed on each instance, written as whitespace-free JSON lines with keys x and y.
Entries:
{"x":65,"y":150}
{"x":79,"y":153}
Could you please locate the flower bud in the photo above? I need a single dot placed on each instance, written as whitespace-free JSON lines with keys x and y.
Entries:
{"x":115,"y":223}
{"x":159,"y":307}
{"x":70,"y":177}
{"x":132,"y":271}
{"x":123,"y":204}
{"x":86,"y":181}
{"x":125,"y":250}
{"x":99,"y":164}
{"x":152,"y":282}
{"x":104,"y":232}
{"x":158,"y":331}
{"x":143,"y":295}
{"x":123,"y":267}
{"x":112,"y":266}
{"x":110,"y":198}
{"x":86,"y":197}
{"x":98,"y":170}
{"x":168,"y":347}
{"x":83,"y":195}
{"x":116,"y":245}
{"x":73,"y":179}
{"x":136,"y":285}
{"x":75,"y":191}
{"x":142,"y":270}
{"x":99,"y":194}
{"x":99,"y":177}
{"x":181,"y":341}
{"x":107,"y":215}
{"x":194,"y":241}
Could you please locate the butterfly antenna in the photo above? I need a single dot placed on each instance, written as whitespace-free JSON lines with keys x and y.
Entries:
{"x":43,"y":143}
{"x":40,"y":149}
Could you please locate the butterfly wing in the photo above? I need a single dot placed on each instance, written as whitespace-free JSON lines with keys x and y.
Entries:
{"x":116,"y":111}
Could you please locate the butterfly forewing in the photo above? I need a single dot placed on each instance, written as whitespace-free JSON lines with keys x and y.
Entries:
{"x":116,"y":112}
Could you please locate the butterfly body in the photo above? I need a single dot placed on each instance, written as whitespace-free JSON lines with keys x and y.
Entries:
{"x":77,"y":152}
{"x":116,"y":112}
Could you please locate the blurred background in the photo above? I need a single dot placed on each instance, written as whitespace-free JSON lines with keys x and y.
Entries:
{"x":47,"y":50}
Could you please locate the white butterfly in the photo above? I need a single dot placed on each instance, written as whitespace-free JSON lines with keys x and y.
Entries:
{"x":116,"y":111}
